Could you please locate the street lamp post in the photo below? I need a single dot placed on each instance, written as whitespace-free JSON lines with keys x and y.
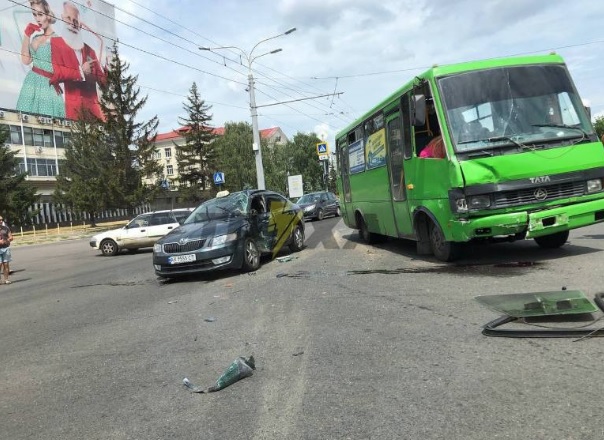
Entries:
{"x":253,"y":109}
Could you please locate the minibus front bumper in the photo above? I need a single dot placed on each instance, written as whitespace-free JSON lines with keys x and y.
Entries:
{"x":534,"y":224}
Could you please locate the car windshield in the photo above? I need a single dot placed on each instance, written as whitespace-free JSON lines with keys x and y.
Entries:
{"x":139,"y":222}
{"x":309,"y":198}
{"x":511,"y":109}
{"x":234,"y":204}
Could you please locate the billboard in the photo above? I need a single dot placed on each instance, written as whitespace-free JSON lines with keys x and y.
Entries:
{"x":53,"y":55}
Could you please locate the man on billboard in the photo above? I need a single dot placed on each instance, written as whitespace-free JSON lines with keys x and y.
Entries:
{"x":76,"y":66}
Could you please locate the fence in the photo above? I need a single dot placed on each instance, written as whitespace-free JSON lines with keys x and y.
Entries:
{"x":49,"y":213}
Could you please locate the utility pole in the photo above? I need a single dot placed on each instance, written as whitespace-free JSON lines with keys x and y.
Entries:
{"x":253,"y":108}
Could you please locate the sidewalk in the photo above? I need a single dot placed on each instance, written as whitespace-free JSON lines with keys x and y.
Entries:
{"x":49,"y":235}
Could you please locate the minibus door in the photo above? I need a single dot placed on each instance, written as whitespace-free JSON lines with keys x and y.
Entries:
{"x":398,"y":191}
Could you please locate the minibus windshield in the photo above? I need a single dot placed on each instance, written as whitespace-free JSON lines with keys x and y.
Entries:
{"x":511,"y":109}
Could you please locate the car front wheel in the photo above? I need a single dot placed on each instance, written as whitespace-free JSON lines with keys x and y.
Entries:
{"x":251,"y":256}
{"x":297,"y":242}
{"x":109,"y":248}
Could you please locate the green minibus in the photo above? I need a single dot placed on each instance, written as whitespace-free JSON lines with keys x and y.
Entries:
{"x":500,"y":149}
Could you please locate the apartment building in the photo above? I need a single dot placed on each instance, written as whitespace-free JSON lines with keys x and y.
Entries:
{"x":166,"y":144}
{"x":39,"y":143}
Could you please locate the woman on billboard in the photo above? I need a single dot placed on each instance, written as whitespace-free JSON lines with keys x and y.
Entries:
{"x":37,"y":95}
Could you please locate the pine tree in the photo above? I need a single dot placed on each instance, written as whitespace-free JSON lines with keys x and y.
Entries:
{"x":197,"y":157}
{"x":84,"y":176}
{"x":16,"y":194}
{"x":131,"y":143}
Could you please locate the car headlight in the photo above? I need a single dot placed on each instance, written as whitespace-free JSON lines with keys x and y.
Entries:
{"x":479,"y":202}
{"x":310,"y":208}
{"x":594,"y":185}
{"x":157,"y":248}
{"x":221,"y":240}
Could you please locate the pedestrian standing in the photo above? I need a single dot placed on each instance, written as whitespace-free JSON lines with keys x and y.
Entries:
{"x":6,"y":237}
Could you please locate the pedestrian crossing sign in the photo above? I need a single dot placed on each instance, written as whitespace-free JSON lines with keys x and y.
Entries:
{"x":322,"y":148}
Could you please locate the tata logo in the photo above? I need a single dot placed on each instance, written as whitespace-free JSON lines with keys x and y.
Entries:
{"x":540,"y":194}
{"x":540,"y":179}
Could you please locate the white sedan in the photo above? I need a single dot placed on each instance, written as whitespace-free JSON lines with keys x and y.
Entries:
{"x":141,"y":232}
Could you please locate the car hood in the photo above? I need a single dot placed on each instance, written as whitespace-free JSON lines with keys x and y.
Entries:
{"x":195,"y":231}
{"x":304,"y":205}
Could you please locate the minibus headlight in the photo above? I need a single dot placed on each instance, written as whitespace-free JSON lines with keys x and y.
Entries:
{"x":479,"y":202}
{"x":461,"y":205}
{"x":594,"y":185}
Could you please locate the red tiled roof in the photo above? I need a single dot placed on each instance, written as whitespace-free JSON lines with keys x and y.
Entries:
{"x":219,"y":131}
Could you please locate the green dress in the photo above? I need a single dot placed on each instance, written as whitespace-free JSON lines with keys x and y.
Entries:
{"x":37,"y":95}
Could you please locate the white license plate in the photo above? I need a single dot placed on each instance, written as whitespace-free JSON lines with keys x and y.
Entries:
{"x":178,"y":259}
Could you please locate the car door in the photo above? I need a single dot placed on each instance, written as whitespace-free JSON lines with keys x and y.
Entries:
{"x":260,"y":227}
{"x":332,"y":204}
{"x":161,"y":224}
{"x":135,"y":232}
{"x":283,"y":219}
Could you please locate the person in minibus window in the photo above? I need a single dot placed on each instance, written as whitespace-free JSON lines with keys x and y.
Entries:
{"x":435,"y":149}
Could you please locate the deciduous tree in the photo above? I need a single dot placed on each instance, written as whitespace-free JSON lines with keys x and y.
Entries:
{"x":236,"y":157}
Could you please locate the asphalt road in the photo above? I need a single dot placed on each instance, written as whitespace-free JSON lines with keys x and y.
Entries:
{"x":350,"y":341}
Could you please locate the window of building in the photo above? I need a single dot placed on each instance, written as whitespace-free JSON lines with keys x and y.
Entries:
{"x":38,"y":137}
{"x":48,"y":138}
{"x":168,"y":152}
{"x":39,"y":167}
{"x":169,"y":170}
{"x":15,"y":135}
{"x":28,"y":135}
{"x":60,"y":139}
{"x":157,"y":155}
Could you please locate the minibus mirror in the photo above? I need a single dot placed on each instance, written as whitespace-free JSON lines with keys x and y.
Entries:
{"x":419,"y":110}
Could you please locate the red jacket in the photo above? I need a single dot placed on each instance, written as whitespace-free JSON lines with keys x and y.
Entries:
{"x":79,"y":93}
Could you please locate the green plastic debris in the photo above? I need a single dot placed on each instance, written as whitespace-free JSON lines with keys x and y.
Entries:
{"x":525,"y":305}
{"x":239,"y":369}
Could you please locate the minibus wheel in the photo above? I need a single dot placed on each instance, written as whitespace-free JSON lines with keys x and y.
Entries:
{"x":366,"y":236}
{"x":552,"y":241}
{"x":442,"y":249}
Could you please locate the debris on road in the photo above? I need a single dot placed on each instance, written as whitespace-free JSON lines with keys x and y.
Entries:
{"x":536,"y":308}
{"x":285,"y":259}
{"x":239,"y":369}
{"x":210,"y":319}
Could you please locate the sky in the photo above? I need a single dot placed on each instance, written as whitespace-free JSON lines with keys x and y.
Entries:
{"x":345,"y":55}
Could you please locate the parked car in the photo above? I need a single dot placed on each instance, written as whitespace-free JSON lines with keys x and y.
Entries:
{"x":318,"y":205}
{"x":141,"y":232}
{"x":231,"y":231}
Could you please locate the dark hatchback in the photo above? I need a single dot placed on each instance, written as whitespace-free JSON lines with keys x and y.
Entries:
{"x":318,"y":205}
{"x":230,"y":232}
